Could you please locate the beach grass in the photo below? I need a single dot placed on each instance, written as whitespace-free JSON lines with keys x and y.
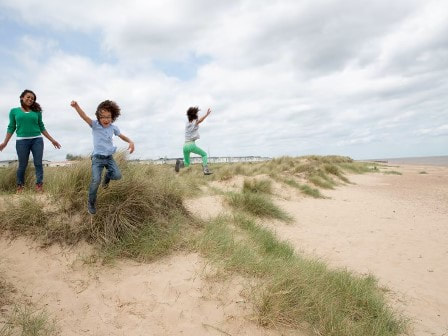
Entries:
{"x":292,"y":291}
{"x":392,"y":172}
{"x":8,"y":178}
{"x":325,"y":172}
{"x":22,"y":318}
{"x":25,"y":216}
{"x":256,"y":204}
{"x":144,"y":207}
{"x":25,"y":320}
{"x":261,"y":186}
{"x":304,"y":188}
{"x":5,"y":290}
{"x":142,"y":216}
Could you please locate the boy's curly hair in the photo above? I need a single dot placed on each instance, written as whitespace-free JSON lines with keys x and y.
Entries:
{"x":109,"y":106}
{"x":192,"y":113}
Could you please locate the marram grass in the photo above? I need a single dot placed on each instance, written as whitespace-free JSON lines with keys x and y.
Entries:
{"x":141,"y":214}
{"x":261,"y":186}
{"x":293,"y":291}
{"x":29,"y":321}
{"x":142,"y":217}
{"x":257,"y":204}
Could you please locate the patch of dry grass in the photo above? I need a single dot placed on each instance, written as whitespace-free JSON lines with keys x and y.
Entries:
{"x":292,"y":290}
{"x":144,"y":207}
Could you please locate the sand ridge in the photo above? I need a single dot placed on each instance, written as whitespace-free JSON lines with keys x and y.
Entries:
{"x":393,"y":226}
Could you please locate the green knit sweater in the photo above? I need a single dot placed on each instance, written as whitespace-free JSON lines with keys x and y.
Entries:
{"x":26,"y":124}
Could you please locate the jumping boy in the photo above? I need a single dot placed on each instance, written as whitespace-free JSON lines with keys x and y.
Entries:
{"x":103,"y":130}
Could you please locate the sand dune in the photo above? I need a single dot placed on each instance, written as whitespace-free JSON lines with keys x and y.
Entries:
{"x":393,"y":226}
{"x":169,"y":297}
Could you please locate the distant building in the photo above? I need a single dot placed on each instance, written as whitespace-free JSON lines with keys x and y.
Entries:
{"x":45,"y":163}
{"x":7,"y":163}
{"x":196,"y":159}
{"x":211,"y":159}
{"x":59,"y":163}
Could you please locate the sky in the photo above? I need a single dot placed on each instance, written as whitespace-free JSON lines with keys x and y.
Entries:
{"x":364,"y":79}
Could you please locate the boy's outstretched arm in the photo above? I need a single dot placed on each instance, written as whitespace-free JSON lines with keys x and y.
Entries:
{"x":81,"y":113}
{"x":129,"y":141}
{"x":203,"y":117}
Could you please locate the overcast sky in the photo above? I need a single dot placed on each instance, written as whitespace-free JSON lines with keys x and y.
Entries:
{"x":366,"y":79}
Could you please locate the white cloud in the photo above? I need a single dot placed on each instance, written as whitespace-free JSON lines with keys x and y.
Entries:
{"x":282,"y":78}
{"x":436,"y":131}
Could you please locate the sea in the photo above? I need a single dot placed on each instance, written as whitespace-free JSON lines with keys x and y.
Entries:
{"x":421,"y":160}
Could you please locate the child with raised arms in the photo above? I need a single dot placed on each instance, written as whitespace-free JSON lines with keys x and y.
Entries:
{"x":103,"y":131}
{"x":191,"y":135}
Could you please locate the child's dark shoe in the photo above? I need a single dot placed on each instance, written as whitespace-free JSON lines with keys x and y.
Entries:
{"x":179,"y":164}
{"x":106,"y":182}
{"x":91,"y":208}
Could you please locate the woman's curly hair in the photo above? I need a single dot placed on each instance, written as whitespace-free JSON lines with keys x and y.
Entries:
{"x":109,"y":106}
{"x":36,"y":106}
{"x":192,"y":113}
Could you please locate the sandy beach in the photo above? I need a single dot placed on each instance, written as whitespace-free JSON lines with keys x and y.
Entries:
{"x":392,"y":226}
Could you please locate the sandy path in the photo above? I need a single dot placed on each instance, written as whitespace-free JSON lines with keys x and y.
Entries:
{"x":394,"y":226}
{"x":168,"y":297}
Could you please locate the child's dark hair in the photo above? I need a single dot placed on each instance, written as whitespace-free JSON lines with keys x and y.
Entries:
{"x":109,"y":106}
{"x":35,"y":107}
{"x":192,"y":113}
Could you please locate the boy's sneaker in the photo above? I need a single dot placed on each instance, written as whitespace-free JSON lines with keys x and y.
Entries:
{"x":91,"y":208}
{"x":39,"y":188}
{"x":179,"y":164}
{"x":19,"y":189}
{"x":206,"y":170}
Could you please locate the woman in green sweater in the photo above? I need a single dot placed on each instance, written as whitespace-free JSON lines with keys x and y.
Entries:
{"x":27,"y":122}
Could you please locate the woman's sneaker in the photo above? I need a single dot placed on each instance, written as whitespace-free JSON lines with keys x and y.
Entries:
{"x":39,"y":188}
{"x":179,"y":164}
{"x":206,"y":170}
{"x":19,"y":189}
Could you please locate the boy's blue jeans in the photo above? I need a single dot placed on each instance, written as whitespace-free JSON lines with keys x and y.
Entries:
{"x":99,"y":162}
{"x":23,"y":148}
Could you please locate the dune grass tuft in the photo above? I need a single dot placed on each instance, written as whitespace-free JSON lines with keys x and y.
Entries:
{"x":291,"y":290}
{"x":139,"y":215}
{"x":22,"y":318}
{"x":154,"y":240}
{"x":257,"y":204}
{"x":8,"y":182}
{"x":27,"y":321}
{"x":392,"y":172}
{"x":333,"y":302}
{"x":257,"y":186}
{"x":24,"y":216}
{"x":5,"y":290}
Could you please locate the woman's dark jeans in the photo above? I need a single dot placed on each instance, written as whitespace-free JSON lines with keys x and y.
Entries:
{"x":24,"y":147}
